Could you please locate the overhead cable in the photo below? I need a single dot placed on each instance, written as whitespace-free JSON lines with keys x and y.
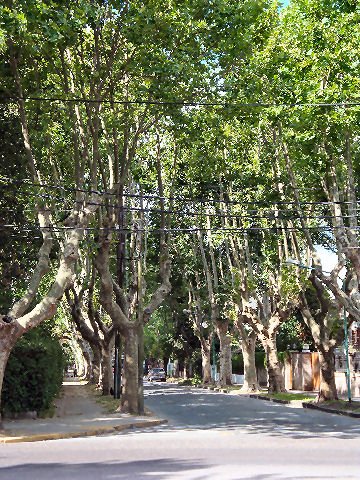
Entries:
{"x":184,"y":103}
{"x":171,"y":198}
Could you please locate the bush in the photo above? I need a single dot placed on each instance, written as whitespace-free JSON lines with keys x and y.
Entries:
{"x":237,"y":364}
{"x":196,"y":380}
{"x":260,"y":359}
{"x":34,"y":373}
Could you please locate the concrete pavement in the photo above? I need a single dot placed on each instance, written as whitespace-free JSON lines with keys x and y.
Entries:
{"x":77,"y":414}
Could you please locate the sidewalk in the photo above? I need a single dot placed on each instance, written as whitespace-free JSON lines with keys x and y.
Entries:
{"x":77,"y":414}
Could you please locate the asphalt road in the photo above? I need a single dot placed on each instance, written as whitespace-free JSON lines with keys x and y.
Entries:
{"x":210,"y":436}
{"x":202,"y":409}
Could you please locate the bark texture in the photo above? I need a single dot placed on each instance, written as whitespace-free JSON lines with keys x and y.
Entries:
{"x":225,"y":353}
{"x":206,"y":362}
{"x":276,"y":378}
{"x":323,"y":319}
{"x":327,"y":379}
{"x":130,"y":400}
{"x":248,"y":343}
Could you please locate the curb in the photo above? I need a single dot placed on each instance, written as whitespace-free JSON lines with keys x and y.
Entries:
{"x":250,"y":395}
{"x":273,"y":400}
{"x":312,"y":406}
{"x":212,"y":388}
{"x":86,"y":433}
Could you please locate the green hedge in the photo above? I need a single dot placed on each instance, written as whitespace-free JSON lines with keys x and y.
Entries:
{"x":260,"y":361}
{"x":33,"y":374}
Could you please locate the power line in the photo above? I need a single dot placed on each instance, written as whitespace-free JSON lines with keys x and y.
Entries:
{"x":171,"y":198}
{"x":192,"y":229}
{"x":254,"y":214}
{"x":185,"y":104}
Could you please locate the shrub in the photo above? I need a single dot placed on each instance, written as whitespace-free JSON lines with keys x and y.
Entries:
{"x":260,"y":359}
{"x":283,"y":356}
{"x":237,"y":364}
{"x":33,"y":374}
{"x":196,"y":380}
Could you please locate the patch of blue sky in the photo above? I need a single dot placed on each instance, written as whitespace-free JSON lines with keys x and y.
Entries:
{"x":328,"y":258}
{"x":284,"y":3}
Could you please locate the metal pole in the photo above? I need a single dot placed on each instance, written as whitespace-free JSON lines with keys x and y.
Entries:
{"x":116,"y":366}
{"x":120,"y":267}
{"x":347,"y":351}
{"x":140,"y":338}
{"x":213,"y":352}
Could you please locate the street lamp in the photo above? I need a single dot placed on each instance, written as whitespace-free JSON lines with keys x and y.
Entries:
{"x":290,"y":261}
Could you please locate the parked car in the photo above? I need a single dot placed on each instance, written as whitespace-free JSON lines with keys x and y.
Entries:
{"x":157,"y":374}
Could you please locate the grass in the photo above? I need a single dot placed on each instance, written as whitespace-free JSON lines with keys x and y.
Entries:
{"x":172,"y":379}
{"x":342,"y":405}
{"x":110,"y":404}
{"x":48,"y":413}
{"x":190,"y":381}
{"x":238,"y":388}
{"x":304,"y":397}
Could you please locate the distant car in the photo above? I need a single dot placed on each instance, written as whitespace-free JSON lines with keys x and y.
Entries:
{"x":157,"y":374}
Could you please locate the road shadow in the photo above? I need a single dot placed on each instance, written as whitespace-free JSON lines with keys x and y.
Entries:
{"x":193,"y":409}
{"x":157,"y":469}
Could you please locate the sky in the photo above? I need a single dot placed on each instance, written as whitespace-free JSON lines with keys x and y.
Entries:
{"x":285,"y":3}
{"x":328,"y":258}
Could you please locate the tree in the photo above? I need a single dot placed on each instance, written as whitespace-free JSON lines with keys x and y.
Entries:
{"x":93,"y":329}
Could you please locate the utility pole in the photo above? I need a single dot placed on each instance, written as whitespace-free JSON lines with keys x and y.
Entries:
{"x":120,"y":267}
{"x":140,"y":337}
{"x":143,"y":315}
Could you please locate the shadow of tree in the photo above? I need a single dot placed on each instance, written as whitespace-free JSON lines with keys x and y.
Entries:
{"x":157,"y":469}
{"x":193,"y":409}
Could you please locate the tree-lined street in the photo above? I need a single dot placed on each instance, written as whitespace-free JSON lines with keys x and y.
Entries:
{"x":210,"y":435}
{"x":174,"y":179}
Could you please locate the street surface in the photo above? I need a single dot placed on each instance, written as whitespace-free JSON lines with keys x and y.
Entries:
{"x":210,"y":436}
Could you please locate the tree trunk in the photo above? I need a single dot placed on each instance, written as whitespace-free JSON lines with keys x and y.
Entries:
{"x":129,"y":399}
{"x":225,"y":354}
{"x":165,"y":361}
{"x":87,"y":373}
{"x":327,"y":375}
{"x":189,"y":368}
{"x":276,"y":379}
{"x":185,"y":376}
{"x":95,"y":371}
{"x":141,"y":369}
{"x":248,"y":350}
{"x":206,"y":363}
{"x":106,"y":369}
{"x":176,"y":368}
{"x":9,"y":334}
